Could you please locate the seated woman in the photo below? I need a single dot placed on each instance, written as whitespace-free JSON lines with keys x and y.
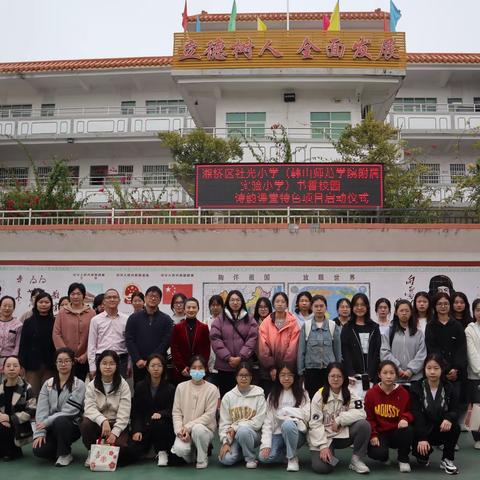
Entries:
{"x":286,"y":422}
{"x":388,"y":412}
{"x":17,"y":409}
{"x":242,"y":413}
{"x":337,"y":420}
{"x":152,"y":410}
{"x":107,"y":406}
{"x":436,"y":409}
{"x":59,"y":411}
{"x":194,"y":408}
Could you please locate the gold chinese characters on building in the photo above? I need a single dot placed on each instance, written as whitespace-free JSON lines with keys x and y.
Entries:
{"x":293,"y":49}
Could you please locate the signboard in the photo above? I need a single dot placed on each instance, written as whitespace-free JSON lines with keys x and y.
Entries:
{"x":282,"y":185}
{"x":290,"y":49}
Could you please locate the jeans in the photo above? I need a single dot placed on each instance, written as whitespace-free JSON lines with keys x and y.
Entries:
{"x":244,"y":446}
{"x":285,"y":444}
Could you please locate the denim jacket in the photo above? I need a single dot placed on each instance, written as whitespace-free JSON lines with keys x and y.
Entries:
{"x":320,"y":348}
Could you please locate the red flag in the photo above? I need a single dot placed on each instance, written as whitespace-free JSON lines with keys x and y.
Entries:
{"x":170,"y":289}
{"x":185,"y":18}
{"x":326,"y":22}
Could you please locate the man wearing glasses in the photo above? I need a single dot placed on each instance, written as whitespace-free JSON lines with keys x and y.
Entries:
{"x":148,"y":331}
{"x":107,"y":332}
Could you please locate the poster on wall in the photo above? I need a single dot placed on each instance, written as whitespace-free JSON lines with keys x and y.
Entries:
{"x":202,"y":282}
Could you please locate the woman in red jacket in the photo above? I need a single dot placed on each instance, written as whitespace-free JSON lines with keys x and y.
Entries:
{"x":189,"y":337}
{"x":388,"y":412}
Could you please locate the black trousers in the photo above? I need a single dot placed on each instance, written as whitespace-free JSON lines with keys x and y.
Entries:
{"x":81,"y":370}
{"x":315,"y":378}
{"x":447,"y":439}
{"x":160,"y":435}
{"x":474,"y":397}
{"x":60,"y":436}
{"x":7,"y":443}
{"x":226,"y":381}
{"x":400,"y":439}
{"x":139,"y":374}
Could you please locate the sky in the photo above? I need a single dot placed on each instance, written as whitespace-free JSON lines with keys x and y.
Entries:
{"x":74,"y":29}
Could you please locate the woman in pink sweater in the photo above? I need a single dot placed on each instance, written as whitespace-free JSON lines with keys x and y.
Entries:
{"x":277,"y":340}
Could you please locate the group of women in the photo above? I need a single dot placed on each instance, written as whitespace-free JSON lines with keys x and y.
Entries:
{"x":272,"y":381}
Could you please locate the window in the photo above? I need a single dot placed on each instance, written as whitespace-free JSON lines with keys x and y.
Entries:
{"x":125,"y":173}
{"x":457,"y":170}
{"x":476,"y":103}
{"x":326,"y":125}
{"x":47,"y":110}
{"x":74,"y":174}
{"x":246,"y":124}
{"x":128,"y":107}
{"x":432,"y":176}
{"x":158,"y":175}
{"x":101,"y":174}
{"x":12,"y":176}
{"x":163,"y":107}
{"x":415,"y":104}
{"x":43,"y":173}
{"x":98,"y":173}
{"x":15,"y":111}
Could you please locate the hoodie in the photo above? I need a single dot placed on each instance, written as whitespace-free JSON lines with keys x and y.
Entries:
{"x":472,"y":332}
{"x":385,"y":410}
{"x":242,"y":410}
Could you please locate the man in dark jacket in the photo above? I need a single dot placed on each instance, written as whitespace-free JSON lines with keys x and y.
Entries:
{"x":148,"y":331}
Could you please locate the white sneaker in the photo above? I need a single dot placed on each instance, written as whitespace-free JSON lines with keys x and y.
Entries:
{"x":476,"y":445}
{"x":358,"y":466}
{"x":448,"y":466}
{"x":64,"y":460}
{"x":162,"y":459}
{"x":251,"y":464}
{"x":87,"y":461}
{"x":293,"y":465}
{"x":202,"y":465}
{"x":404,"y":467}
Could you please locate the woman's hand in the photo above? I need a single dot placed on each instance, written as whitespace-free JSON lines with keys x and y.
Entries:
{"x":423,"y":448}
{"x":402,"y":423}
{"x":325,"y":455}
{"x":4,"y":418}
{"x":445,"y":426}
{"x":156,"y":416}
{"x":375,"y":442}
{"x":452,"y":375}
{"x":352,"y":381}
{"x":38,"y":442}
{"x":111,"y":439}
{"x":186,"y":372}
{"x":224,"y":450}
{"x":265,"y":452}
{"x":106,"y":430}
{"x":334,"y":427}
{"x":137,"y":437}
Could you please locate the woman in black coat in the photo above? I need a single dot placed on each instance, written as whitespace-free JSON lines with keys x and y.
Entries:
{"x":436,"y":409}
{"x":152,"y":410}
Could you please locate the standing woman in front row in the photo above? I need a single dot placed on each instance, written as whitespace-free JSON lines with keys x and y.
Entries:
{"x":337,"y":421}
{"x":107,"y":406}
{"x":17,"y":409}
{"x":194,"y":409}
{"x":435,"y":408}
{"x":59,"y":411}
{"x":242,"y":413}
{"x":152,"y":410}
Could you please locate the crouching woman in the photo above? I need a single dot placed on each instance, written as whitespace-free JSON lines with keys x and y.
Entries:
{"x":337,"y":420}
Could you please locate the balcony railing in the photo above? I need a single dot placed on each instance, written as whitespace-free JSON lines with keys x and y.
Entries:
{"x":291,"y":218}
{"x":440,"y":117}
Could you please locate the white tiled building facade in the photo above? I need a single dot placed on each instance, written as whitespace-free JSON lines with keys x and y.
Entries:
{"x":104,"y":115}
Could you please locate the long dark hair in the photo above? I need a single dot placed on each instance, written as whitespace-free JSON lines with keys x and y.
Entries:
{"x":267,"y":302}
{"x":36,"y":313}
{"x":436,"y":357}
{"x":277,"y":389}
{"x":416,"y":314}
{"x":395,"y":325}
{"x":366,"y":301}
{"x":243,"y":305}
{"x":466,"y":318}
{"x":297,"y":301}
{"x":117,"y":378}
{"x":56,"y":376}
{"x":345,"y":390}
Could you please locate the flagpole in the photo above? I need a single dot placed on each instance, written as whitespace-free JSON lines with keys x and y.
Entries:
{"x":288,"y":14}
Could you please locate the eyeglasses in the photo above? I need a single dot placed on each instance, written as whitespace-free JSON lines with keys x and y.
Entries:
{"x":63,"y":362}
{"x":244,"y":377}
